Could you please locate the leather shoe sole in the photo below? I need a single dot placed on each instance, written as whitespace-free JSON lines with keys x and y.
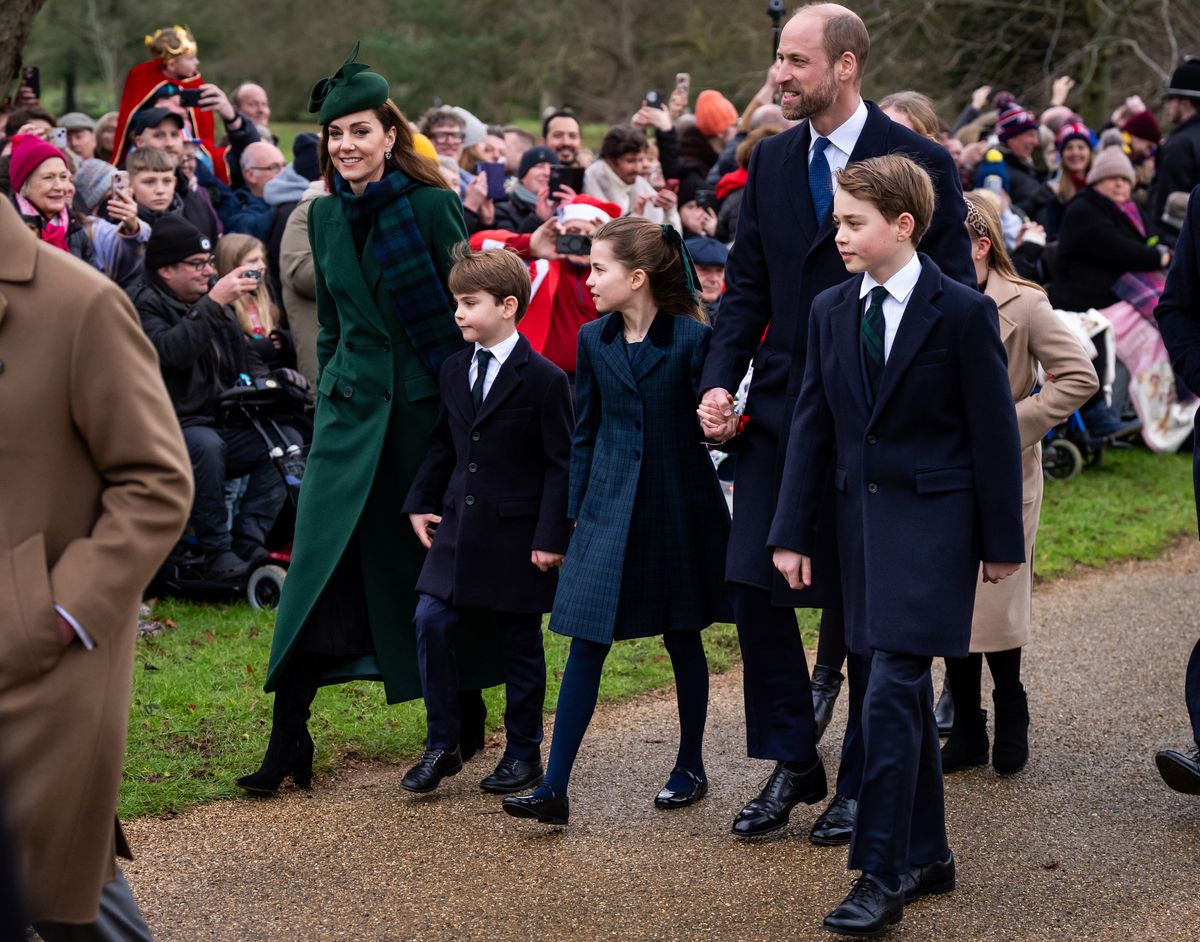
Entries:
{"x":1179,"y":773}
{"x":861,"y":933}
{"x":498,"y":785}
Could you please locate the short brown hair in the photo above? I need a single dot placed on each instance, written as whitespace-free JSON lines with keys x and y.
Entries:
{"x":622,"y":139}
{"x":844,"y":32}
{"x":895,"y":184}
{"x":149,"y":160}
{"x":498,"y":272}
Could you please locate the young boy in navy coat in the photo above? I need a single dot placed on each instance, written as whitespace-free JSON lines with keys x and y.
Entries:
{"x":906,"y":391}
{"x":490,"y":504}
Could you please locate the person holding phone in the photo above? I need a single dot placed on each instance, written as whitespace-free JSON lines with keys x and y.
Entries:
{"x":42,"y":191}
{"x":615,"y":178}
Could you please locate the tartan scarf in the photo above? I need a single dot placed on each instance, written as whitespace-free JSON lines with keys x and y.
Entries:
{"x":419,"y":300}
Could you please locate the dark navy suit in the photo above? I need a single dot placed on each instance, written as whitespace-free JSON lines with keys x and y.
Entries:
{"x":782,"y":259}
{"x":1178,"y":315}
{"x":498,"y":478}
{"x":927,"y":484}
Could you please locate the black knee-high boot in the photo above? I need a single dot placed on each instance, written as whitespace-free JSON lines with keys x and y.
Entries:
{"x":968,"y":742}
{"x":1011,"y":749}
{"x":290,"y":749}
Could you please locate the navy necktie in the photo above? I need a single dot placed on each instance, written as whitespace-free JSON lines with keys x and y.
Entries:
{"x":820,"y":181}
{"x":482,"y":358}
{"x":871,"y":336}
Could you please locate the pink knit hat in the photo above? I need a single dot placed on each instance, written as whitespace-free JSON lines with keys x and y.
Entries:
{"x":714,"y":113}
{"x":29,"y":153}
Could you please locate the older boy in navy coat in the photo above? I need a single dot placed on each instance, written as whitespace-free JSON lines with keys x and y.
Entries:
{"x":906,"y":383}
{"x":490,"y":504}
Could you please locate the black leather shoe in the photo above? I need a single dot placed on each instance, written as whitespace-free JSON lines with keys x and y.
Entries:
{"x":666,"y":798}
{"x":513,"y":775}
{"x":835,"y":826}
{"x":928,"y":879}
{"x":769,"y":811}
{"x":225,"y":566}
{"x":944,"y":711}
{"x":550,"y":810}
{"x":869,"y":909}
{"x":1180,"y":772}
{"x":431,"y":768}
{"x":968,"y":742}
{"x":826,"y":685}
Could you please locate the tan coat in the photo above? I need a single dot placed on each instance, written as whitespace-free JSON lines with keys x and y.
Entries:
{"x":96,"y":488}
{"x":299,"y":283}
{"x":1032,"y":333}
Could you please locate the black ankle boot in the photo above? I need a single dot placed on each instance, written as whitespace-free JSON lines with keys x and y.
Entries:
{"x":968,"y":742}
{"x":826,"y":685}
{"x":1011,"y":750}
{"x":290,"y":748}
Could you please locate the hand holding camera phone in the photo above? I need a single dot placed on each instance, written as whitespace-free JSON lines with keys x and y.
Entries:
{"x":58,"y":137}
{"x":31,"y":78}
{"x":571,"y":177}
{"x":120,"y":183}
{"x":573,"y":244}
{"x":495,"y":179}
{"x":653,"y":99}
{"x":189,"y":97}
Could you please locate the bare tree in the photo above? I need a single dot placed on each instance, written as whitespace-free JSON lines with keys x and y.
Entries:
{"x":16,"y":18}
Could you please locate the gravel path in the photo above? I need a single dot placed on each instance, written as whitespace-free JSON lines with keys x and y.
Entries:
{"x":1085,"y":844}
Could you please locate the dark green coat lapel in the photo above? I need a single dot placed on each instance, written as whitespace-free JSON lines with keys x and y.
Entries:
{"x":361,"y":279}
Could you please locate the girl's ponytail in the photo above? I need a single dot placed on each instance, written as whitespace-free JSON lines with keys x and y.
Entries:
{"x":659,"y":252}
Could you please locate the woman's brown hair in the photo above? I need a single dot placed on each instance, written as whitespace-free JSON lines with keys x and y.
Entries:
{"x":404,"y":157}
{"x":919,"y":110}
{"x":639,"y":243}
{"x":983,"y":219}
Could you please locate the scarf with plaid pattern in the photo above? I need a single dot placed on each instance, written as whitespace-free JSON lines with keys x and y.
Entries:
{"x":419,"y":300}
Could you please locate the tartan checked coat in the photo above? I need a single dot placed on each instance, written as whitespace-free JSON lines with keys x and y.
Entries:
{"x":648,"y":551}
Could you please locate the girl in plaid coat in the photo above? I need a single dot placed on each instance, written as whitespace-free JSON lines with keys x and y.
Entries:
{"x":651,"y":523}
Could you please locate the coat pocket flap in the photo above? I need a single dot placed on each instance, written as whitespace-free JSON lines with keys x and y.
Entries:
{"x":944,"y":479}
{"x":329,"y":381}
{"x":931,"y":357}
{"x":420,"y":386}
{"x":527,"y":507}
{"x":839,"y":479}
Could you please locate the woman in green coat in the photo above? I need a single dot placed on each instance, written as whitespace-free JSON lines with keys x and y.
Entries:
{"x":381,"y":246}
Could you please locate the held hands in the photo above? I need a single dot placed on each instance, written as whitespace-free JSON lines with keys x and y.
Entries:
{"x":796,"y":568}
{"x":423,"y":526}
{"x":718,"y":420}
{"x":998,"y":572}
{"x":546,"y":561}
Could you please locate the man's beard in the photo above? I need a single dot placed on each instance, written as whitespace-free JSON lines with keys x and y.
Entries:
{"x":566,"y":154}
{"x":814,"y":102}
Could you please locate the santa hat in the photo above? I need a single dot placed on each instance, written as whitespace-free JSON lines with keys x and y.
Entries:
{"x":28,"y":153}
{"x":586,"y":208}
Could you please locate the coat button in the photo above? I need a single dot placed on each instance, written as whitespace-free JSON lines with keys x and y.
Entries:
{"x":474,"y":436}
{"x":873,"y":488}
{"x":387,"y":348}
{"x":469,"y":500}
{"x":387,"y":397}
{"x":872,"y":440}
{"x":349,"y":346}
{"x":472,"y":467}
{"x":347,"y":392}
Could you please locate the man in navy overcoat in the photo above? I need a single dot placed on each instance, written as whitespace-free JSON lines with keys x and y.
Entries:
{"x":784,"y":257}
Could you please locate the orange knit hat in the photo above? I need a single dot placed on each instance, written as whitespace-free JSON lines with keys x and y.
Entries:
{"x":714,"y":113}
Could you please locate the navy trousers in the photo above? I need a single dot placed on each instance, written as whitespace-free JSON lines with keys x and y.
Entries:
{"x":779,"y":708}
{"x":901,"y":806}
{"x":850,"y":769}
{"x":1192,"y":691}
{"x":436,"y":624}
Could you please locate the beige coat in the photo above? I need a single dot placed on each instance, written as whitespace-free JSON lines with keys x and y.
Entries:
{"x":96,"y":488}
{"x":1032,"y":333}
{"x":299,"y":285}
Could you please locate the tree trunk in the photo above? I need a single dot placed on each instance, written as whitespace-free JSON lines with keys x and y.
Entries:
{"x":16,"y":18}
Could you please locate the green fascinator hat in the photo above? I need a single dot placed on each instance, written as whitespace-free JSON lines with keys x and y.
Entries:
{"x":351,"y":88}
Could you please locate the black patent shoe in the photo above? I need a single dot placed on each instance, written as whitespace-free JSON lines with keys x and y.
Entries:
{"x":869,"y":910}
{"x":431,"y":768}
{"x":826,"y":685}
{"x":666,"y":798}
{"x":549,"y":809}
{"x":513,"y":775}
{"x":835,"y":826}
{"x":943,"y":712}
{"x":769,"y":811}
{"x":1180,"y":772}
{"x":928,"y":879}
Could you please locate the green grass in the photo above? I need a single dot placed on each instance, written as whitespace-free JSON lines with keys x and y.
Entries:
{"x":200,"y":719}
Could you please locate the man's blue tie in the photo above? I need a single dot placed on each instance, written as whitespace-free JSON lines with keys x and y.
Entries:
{"x":820,"y":181}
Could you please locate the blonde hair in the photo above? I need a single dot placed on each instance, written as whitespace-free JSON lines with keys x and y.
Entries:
{"x":983,"y":219}
{"x":919,"y":110}
{"x":232,"y":251}
{"x":640,"y":243}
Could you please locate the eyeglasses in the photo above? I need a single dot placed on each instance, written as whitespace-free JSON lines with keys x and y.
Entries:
{"x":199,"y":264}
{"x":447,"y":136}
{"x":275,"y":168}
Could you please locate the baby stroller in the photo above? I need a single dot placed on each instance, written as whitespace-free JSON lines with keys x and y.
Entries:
{"x":255,"y":403}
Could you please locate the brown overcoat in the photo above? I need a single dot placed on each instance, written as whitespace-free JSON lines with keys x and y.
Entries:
{"x":1031,"y":333}
{"x":95,"y":487}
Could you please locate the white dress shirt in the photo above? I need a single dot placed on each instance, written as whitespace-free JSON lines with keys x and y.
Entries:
{"x":899,"y":290}
{"x":499,"y":354}
{"x":841,"y":142}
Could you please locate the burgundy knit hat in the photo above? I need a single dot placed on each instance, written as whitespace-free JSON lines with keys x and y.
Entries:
{"x":29,"y":153}
{"x":1012,"y":120}
{"x":1143,"y":125}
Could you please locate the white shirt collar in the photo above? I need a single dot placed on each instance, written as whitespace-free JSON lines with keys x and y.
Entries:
{"x":846,"y":135}
{"x":501,"y":350}
{"x":900,"y":285}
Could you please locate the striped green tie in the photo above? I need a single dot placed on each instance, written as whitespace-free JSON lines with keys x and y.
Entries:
{"x":872,"y":326}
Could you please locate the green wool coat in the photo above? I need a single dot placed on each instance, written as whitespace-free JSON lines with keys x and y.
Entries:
{"x":376,"y":405}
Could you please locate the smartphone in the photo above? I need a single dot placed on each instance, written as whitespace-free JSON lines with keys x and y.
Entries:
{"x":495,"y":179}
{"x":653,"y":99}
{"x":707,"y":199}
{"x":566,"y":176}
{"x":31,"y":78}
{"x":58,"y":137}
{"x":120,"y":182}
{"x":672,"y":185}
{"x":573,"y":244}
{"x":189,"y":97}
{"x":254,"y":274}
{"x":683,"y":82}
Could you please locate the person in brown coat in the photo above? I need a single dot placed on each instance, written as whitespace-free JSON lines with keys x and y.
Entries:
{"x":1032,"y":334}
{"x":97,"y":488}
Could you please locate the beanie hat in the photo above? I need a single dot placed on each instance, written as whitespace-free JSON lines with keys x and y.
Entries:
{"x":1143,"y":125}
{"x":586,"y":208}
{"x":93,"y":182}
{"x":1074,"y":131}
{"x":424,"y":146}
{"x":714,"y":113}
{"x":304,"y":156}
{"x":1012,"y":120}
{"x":1110,"y":162}
{"x":29,"y":153}
{"x":351,"y":88}
{"x":992,"y":166}
{"x":474,"y":130}
{"x":172,"y":240}
{"x":534,"y":156}
{"x":1185,"y":80}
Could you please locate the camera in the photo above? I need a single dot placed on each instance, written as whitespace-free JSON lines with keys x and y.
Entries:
{"x":253,"y":274}
{"x":707,"y":199}
{"x":653,"y":99}
{"x":573,"y":244}
{"x":189,"y":97}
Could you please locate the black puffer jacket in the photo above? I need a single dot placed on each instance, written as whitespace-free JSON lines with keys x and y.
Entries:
{"x":200,"y":348}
